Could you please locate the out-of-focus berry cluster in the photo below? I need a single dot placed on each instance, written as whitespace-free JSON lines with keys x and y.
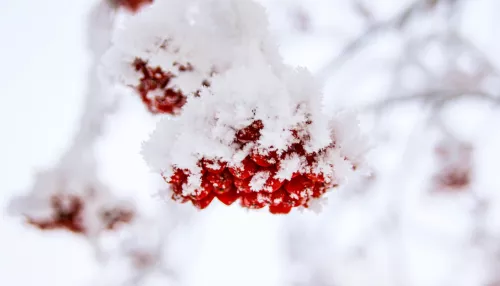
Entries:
{"x":71,"y":212}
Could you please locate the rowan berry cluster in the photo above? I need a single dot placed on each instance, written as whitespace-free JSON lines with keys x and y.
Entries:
{"x":256,"y":180}
{"x":155,"y":90}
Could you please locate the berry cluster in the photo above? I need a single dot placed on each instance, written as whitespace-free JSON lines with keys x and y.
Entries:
{"x":155,"y":89}
{"x":132,"y":5}
{"x":68,"y":213}
{"x":454,"y":160}
{"x":256,"y":180}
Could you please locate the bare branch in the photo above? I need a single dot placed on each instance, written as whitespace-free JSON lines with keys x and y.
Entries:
{"x":437,"y":98}
{"x":353,"y":47}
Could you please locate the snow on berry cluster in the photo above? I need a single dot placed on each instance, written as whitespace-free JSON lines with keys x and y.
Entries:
{"x":167,"y":53}
{"x":161,"y":56}
{"x":72,"y":203}
{"x":257,"y":137}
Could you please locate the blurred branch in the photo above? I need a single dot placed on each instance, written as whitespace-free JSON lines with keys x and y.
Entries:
{"x":438,"y":98}
{"x":353,"y":47}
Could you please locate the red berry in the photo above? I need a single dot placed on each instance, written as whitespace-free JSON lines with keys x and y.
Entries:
{"x":297,"y":149}
{"x":228,"y":198}
{"x":155,"y":79}
{"x":254,"y":200}
{"x":272,"y":184}
{"x":202,"y":192}
{"x":278,"y":197}
{"x":220,"y":182}
{"x":246,"y":169}
{"x":280,"y":209}
{"x":311,"y":158}
{"x":265,"y":160}
{"x":179,"y":177}
{"x":203,"y":203}
{"x":282,"y":198}
{"x":176,"y":188}
{"x":316,"y":177}
{"x":243,"y":185}
{"x":299,"y":185}
{"x":318,"y":190}
{"x":214,"y":167}
{"x":250,"y":133}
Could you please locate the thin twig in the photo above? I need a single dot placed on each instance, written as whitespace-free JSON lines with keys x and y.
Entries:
{"x":358,"y":43}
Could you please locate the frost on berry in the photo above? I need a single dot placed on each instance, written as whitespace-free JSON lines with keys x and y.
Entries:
{"x":72,"y":204}
{"x":264,"y":142}
{"x":454,"y":161}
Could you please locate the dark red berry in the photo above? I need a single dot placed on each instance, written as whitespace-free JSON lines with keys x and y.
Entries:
{"x":254,"y":200}
{"x":316,"y":177}
{"x":179,"y":177}
{"x":214,"y":167}
{"x":250,"y":133}
{"x":203,"y":191}
{"x":265,"y":160}
{"x":299,"y":185}
{"x":243,"y":185}
{"x":280,"y":209}
{"x":246,"y":169}
{"x":220,"y":182}
{"x":205,"y":202}
{"x":272,"y":184}
{"x":318,"y":190}
{"x":229,"y":197}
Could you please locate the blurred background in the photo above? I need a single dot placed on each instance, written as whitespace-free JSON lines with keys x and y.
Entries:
{"x":423,"y":77}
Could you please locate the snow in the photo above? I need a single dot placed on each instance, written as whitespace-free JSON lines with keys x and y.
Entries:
{"x":225,"y":245}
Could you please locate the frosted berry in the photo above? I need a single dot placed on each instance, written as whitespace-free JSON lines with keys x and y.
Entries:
{"x":229,"y":197}
{"x":266,"y":160}
{"x":254,"y":200}
{"x":246,"y":169}
{"x":214,"y":167}
{"x":299,"y":185}
{"x":250,"y":133}
{"x":203,"y":191}
{"x":272,"y":184}
{"x":154,"y":88}
{"x":205,"y":202}
{"x":243,"y":185}
{"x":222,"y":182}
